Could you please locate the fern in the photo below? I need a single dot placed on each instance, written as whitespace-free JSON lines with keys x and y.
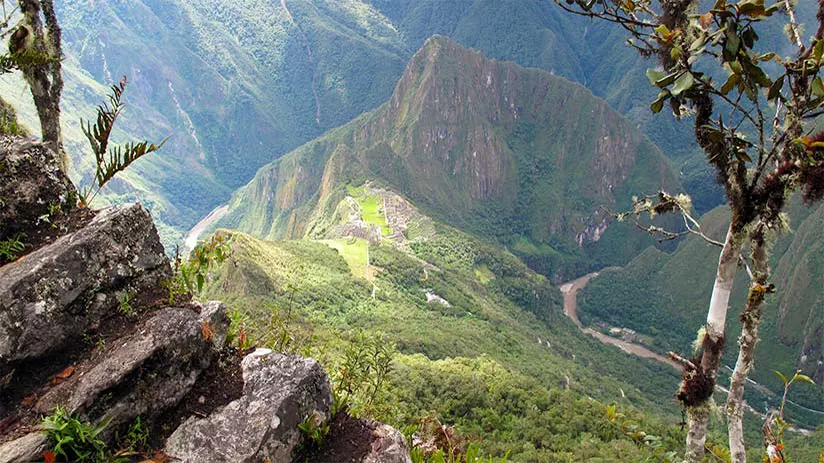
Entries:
{"x":111,"y":161}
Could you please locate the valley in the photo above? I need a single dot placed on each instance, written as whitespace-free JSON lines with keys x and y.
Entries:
{"x":467,"y":216}
{"x":570,"y":291}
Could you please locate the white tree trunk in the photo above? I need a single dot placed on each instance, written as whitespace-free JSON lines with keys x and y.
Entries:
{"x":699,"y":418}
{"x":751,"y":319}
{"x":712,"y":344}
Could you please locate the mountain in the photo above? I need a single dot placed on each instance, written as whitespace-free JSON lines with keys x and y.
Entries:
{"x":515,"y":155}
{"x":664,"y":297}
{"x":236,"y":84}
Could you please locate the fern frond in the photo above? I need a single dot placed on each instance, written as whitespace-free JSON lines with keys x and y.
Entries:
{"x":110,"y":161}
{"x":121,"y":156}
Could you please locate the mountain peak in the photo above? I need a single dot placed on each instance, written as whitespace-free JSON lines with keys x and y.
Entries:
{"x":487,"y":146}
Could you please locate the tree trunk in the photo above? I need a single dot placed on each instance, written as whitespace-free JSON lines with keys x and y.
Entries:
{"x":698,"y":382}
{"x":750,"y":319}
{"x":45,"y":78}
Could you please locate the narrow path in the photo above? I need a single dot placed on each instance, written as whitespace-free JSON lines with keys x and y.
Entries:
{"x":190,"y":241}
{"x":305,"y":41}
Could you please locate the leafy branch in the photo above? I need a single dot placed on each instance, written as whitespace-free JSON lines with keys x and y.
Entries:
{"x":110,"y":161}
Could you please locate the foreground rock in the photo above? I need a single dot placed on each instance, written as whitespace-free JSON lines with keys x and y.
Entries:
{"x":388,"y":446}
{"x":30,"y":182}
{"x":53,"y":296}
{"x":279,"y":393}
{"x":143,"y":375}
{"x":24,"y":450}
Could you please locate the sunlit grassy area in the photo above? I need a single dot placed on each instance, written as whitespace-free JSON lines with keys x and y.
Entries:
{"x":354,"y":252}
{"x":370,"y":208}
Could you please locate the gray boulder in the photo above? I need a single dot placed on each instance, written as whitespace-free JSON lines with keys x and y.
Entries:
{"x":279,"y":393}
{"x":30,"y":181}
{"x":389,"y":446}
{"x":144,"y":374}
{"x":49,"y":298}
{"x":25,"y":449}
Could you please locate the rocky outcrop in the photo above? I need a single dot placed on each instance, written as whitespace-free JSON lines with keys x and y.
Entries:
{"x":49,"y":298}
{"x":279,"y":393}
{"x":84,"y":326}
{"x":30,"y":183}
{"x":389,"y":446}
{"x":145,"y":373}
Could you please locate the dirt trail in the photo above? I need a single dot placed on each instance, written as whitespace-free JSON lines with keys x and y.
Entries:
{"x":570,"y":291}
{"x":190,"y":241}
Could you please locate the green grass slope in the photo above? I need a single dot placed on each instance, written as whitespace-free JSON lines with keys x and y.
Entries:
{"x":500,"y":361}
{"x":511,"y":154}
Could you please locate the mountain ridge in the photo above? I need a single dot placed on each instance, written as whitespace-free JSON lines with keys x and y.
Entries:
{"x":502,"y":151}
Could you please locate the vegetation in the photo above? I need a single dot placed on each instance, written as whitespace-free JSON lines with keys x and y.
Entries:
{"x":11,"y":248}
{"x":355,"y":252}
{"x":758,"y":162}
{"x":486,"y":374}
{"x":110,"y":161}
{"x":74,"y":440}
{"x":190,"y":275}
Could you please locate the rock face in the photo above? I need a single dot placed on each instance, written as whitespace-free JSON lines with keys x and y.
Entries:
{"x":24,"y":450}
{"x":158,"y":364}
{"x":30,"y":181}
{"x":279,"y":393}
{"x":389,"y":446}
{"x":54,"y":295}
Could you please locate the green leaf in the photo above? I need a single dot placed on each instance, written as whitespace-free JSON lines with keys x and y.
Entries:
{"x":655,"y":75}
{"x":733,"y":43}
{"x":803,"y":378}
{"x":683,"y":83}
{"x":781,"y":376}
{"x":818,"y":51}
{"x":775,"y":89}
{"x":658,"y":104}
{"x":753,"y":8}
{"x":666,"y":80}
{"x":817,"y":87}
{"x":731,"y":82}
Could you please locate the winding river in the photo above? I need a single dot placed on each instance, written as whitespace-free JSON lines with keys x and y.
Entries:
{"x":570,"y":292}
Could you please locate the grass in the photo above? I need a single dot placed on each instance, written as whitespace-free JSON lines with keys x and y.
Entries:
{"x":355,"y":252}
{"x":370,"y":207}
{"x":484,"y":274}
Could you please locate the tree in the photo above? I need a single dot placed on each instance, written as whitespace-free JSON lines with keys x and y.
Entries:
{"x":755,"y":126}
{"x":36,"y":49}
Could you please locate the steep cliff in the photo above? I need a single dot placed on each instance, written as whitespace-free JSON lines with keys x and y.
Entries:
{"x":512,"y":154}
